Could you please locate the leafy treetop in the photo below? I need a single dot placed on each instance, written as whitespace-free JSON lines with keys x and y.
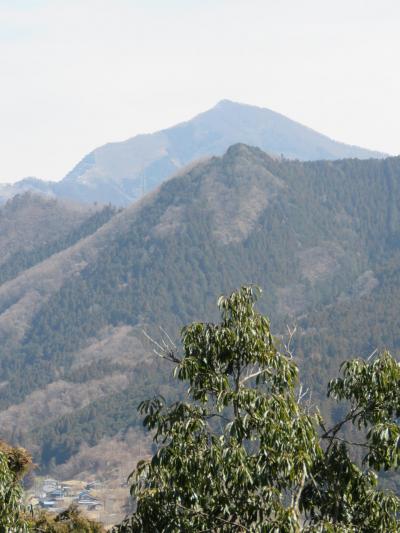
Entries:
{"x":245,"y":454}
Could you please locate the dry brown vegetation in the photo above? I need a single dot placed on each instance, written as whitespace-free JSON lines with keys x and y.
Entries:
{"x":319,"y":261}
{"x":111,"y":460}
{"x":122,"y":343}
{"x":55,"y":400}
{"x":29,"y":219}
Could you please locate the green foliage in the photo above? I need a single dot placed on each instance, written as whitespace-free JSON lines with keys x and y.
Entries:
{"x":14,"y":462}
{"x":372,"y":388}
{"x":14,"y":518}
{"x":244,"y":453}
{"x":68,"y":521}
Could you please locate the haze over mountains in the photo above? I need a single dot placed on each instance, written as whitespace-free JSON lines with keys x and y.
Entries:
{"x":74,"y":362}
{"x":120,"y":172}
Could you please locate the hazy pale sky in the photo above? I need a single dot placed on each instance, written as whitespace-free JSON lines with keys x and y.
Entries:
{"x":75,"y":74}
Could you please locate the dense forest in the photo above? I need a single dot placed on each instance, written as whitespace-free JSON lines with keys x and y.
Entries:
{"x":23,"y":259}
{"x":309,"y":233}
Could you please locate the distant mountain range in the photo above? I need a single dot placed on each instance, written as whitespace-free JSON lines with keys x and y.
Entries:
{"x":119,"y":172}
{"x":74,"y":363}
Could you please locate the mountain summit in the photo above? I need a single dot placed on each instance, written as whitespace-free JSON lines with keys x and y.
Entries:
{"x":121,"y":172}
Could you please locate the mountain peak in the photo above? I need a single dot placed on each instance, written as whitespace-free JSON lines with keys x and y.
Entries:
{"x":242,"y":149}
{"x":122,"y":172}
{"x":225,"y":102}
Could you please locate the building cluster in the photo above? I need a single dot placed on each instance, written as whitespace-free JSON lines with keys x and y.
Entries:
{"x":56,"y":496}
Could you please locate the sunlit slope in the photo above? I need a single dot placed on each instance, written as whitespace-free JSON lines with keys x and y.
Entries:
{"x":309,"y":233}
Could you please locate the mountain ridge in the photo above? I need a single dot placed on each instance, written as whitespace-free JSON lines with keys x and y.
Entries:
{"x":308,"y":233}
{"x":120,"y":172}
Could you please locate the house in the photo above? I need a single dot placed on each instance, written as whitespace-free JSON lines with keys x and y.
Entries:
{"x":47,"y":504}
{"x":57,"y":494}
{"x":49,"y":485}
{"x":86,"y":499}
{"x":68,"y":491}
{"x":93,"y":485}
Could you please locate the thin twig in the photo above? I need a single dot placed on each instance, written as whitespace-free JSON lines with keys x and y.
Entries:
{"x":291,"y":332}
{"x":168,"y":337}
{"x":164,"y":352}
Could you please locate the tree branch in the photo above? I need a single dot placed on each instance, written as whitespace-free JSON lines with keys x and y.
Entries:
{"x":253,"y":375}
{"x":166,"y":352}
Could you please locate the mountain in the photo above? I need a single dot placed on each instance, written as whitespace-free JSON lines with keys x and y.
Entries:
{"x":34,"y":227}
{"x":119,"y":172}
{"x":74,"y":359}
{"x":30,"y":220}
{"x":31,"y":184}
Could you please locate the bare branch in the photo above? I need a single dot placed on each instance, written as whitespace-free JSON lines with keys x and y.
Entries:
{"x":253,"y":375}
{"x":168,"y":337}
{"x":287,"y":346}
{"x":164,"y":352}
{"x":299,"y":491}
{"x":302,"y":394}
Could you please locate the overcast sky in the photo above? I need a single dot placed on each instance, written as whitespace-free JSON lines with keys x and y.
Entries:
{"x":75,"y":74}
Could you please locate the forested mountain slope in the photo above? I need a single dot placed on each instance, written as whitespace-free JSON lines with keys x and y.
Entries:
{"x":31,"y":184}
{"x":119,"y":172}
{"x":34,"y":227}
{"x":30,"y":220}
{"x":73,"y":361}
